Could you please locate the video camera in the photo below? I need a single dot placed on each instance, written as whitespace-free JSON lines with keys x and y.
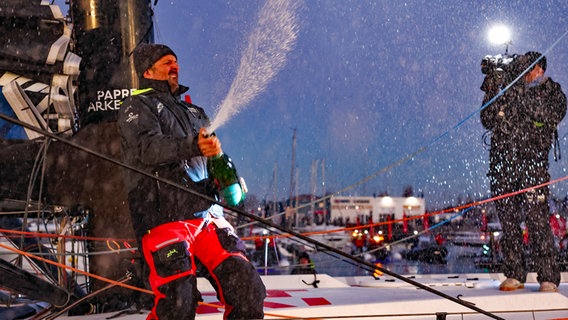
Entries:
{"x":500,"y":70}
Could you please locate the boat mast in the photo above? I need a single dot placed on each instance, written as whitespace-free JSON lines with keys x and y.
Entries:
{"x":274,"y":194}
{"x":325,"y":212}
{"x":314,"y":183}
{"x":292,"y":175}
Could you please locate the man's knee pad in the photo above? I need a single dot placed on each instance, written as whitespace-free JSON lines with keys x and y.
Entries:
{"x":172,"y":259}
{"x":536,"y":196}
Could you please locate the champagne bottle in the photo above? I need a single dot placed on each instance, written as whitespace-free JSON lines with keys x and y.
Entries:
{"x":223,"y":171}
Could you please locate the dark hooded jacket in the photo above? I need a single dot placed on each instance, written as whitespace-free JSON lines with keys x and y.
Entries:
{"x":523,"y":124}
{"x":529,"y":116}
{"x":159,"y":136}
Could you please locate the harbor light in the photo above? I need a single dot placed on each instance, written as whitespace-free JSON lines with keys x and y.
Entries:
{"x":499,"y":35}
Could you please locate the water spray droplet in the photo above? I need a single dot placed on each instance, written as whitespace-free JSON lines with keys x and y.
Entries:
{"x":274,"y":36}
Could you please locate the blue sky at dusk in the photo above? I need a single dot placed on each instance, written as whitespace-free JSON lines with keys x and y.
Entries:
{"x":367,"y":84}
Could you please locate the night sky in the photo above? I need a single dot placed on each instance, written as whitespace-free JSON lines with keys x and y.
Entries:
{"x":367,"y":84}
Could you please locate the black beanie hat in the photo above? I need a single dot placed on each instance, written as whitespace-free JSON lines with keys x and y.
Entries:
{"x":532,"y":56}
{"x":146,"y":54}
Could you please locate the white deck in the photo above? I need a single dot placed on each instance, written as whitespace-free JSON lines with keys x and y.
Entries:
{"x":367,"y":298}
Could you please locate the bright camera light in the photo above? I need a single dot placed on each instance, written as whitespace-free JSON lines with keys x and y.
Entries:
{"x":499,"y":35}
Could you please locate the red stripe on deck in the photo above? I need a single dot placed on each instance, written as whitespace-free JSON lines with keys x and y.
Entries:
{"x":316,"y":301}
{"x":280,"y":293}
